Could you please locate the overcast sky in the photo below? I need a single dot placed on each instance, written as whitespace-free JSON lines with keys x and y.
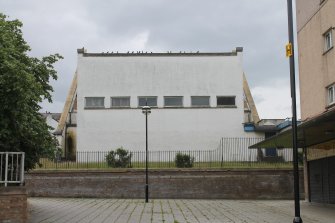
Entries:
{"x":260,"y":26}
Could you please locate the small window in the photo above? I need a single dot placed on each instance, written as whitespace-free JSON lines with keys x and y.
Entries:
{"x":225,"y":100}
{"x":202,"y":101}
{"x":173,"y":101}
{"x":331,"y":94}
{"x":147,"y":101}
{"x":271,"y":152}
{"x":120,"y":102}
{"x":94,"y":102}
{"x":328,"y":40}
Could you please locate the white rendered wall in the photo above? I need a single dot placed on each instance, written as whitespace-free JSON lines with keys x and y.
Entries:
{"x":169,"y":128}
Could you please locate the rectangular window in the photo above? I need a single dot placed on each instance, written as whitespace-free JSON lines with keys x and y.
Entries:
{"x":173,"y":101}
{"x":120,"y":102}
{"x":94,"y":102}
{"x":328,"y":40}
{"x":148,"y":100}
{"x":331,"y":94}
{"x":202,"y":101}
{"x":225,"y":100}
{"x":271,"y":152}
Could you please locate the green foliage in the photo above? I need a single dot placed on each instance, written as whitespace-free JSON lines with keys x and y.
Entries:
{"x":119,"y":159}
{"x":184,"y":160}
{"x":24,"y":83}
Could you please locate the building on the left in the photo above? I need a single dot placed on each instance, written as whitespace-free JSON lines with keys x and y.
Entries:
{"x":52,"y":120}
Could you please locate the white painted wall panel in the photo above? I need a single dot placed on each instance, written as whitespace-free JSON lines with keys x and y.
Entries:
{"x":172,"y":129}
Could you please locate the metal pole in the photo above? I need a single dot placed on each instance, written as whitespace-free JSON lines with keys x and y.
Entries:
{"x":6,"y":170}
{"x":297,"y":218}
{"x":146,"y":159}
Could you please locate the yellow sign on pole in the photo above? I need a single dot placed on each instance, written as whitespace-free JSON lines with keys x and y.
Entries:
{"x":289,"y":50}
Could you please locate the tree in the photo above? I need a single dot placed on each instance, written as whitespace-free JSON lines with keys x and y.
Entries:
{"x":24,"y":83}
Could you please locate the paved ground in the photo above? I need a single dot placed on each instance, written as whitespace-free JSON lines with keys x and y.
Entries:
{"x":173,"y":211}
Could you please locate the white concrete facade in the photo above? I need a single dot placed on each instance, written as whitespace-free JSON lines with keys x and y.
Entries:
{"x":186,"y":75}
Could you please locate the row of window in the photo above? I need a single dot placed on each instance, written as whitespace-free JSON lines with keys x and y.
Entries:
{"x":169,"y":101}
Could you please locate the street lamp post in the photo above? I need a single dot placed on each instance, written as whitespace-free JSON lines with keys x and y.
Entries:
{"x":290,"y":54}
{"x":146,"y":110}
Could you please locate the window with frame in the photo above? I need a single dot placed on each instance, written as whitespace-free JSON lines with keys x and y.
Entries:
{"x":147,"y":101}
{"x":200,"y":101}
{"x":331,"y":94}
{"x":94,"y":102}
{"x":173,"y":101}
{"x":120,"y":102}
{"x":225,"y":101}
{"x":328,"y":40}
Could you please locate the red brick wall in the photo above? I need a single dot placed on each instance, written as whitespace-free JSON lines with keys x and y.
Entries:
{"x":13,"y":205}
{"x":195,"y":184}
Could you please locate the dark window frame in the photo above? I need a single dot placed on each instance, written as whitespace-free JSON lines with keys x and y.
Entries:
{"x":119,"y":97}
{"x":177,"y":106}
{"x":226,"y":105}
{"x":204,"y":106}
{"x":154,"y":106}
{"x":103,"y":106}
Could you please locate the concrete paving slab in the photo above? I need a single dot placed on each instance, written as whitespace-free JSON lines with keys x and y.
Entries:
{"x":57,"y":210}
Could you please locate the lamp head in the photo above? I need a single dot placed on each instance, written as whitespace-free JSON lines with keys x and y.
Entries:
{"x":146,"y":110}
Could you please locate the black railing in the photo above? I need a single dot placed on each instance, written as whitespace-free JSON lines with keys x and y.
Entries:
{"x":231,"y":153}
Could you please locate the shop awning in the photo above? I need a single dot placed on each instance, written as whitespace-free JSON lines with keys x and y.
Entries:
{"x":316,"y":130}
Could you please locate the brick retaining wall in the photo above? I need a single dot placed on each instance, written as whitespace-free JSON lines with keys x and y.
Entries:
{"x":187,"y":184}
{"x":13,"y":205}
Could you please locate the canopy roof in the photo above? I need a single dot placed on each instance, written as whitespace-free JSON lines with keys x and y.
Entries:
{"x":316,"y":130}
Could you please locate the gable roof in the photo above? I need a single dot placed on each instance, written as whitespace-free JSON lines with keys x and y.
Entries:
{"x":68,"y":104}
{"x":249,"y":101}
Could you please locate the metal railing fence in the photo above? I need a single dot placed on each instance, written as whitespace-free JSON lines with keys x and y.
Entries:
{"x":11,"y":168}
{"x":230,"y":153}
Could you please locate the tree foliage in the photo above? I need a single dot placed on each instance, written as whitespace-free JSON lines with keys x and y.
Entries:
{"x":24,"y":83}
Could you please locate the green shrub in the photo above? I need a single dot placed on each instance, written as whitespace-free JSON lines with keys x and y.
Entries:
{"x":184,"y":160}
{"x":120,"y":158}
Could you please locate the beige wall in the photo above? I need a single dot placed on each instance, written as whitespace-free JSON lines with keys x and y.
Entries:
{"x":316,"y":68}
{"x":305,"y":10}
{"x":321,"y":151}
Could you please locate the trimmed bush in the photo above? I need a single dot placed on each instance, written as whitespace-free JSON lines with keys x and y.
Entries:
{"x":184,"y":160}
{"x":120,"y":158}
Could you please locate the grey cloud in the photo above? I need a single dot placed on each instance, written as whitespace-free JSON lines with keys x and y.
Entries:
{"x":260,"y":26}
